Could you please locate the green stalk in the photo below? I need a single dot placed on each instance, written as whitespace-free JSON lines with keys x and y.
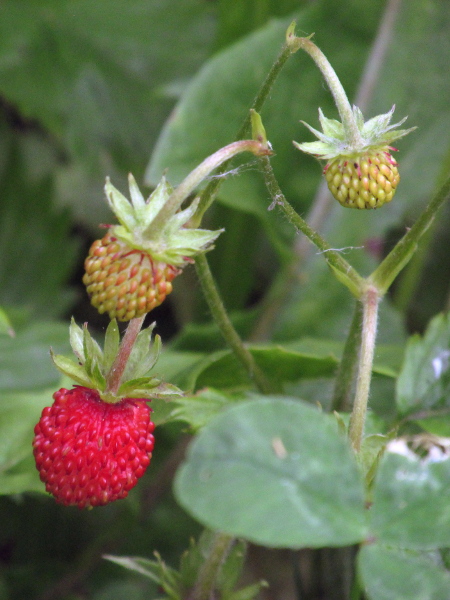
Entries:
{"x":345,"y":376}
{"x":402,"y":252}
{"x":226,"y":327}
{"x":115,"y":374}
{"x":205,"y":586}
{"x":340,"y":267}
{"x":209,"y":193}
{"x":195,"y":177}
{"x":340,"y":97}
{"x":370,"y":301}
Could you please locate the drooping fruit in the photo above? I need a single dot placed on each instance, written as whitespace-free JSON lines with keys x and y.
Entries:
{"x":90,"y":452}
{"x":129,"y":271}
{"x":360,"y":170}
{"x":363,"y":181}
{"x":124,"y":282}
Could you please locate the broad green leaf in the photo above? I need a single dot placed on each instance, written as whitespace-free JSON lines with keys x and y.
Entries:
{"x":227,"y":85}
{"x":25,"y":359}
{"x":22,"y":478}
{"x":411,"y":499}
{"x":392,"y":574}
{"x":424,"y":381}
{"x":274,"y":471}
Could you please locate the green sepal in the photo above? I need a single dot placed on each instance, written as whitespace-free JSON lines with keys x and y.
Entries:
{"x":120,"y":206}
{"x":92,"y":365}
{"x":69,"y":367}
{"x":111,"y":345}
{"x":155,"y":226}
{"x":76,"y":340}
{"x":144,"y":354}
{"x":374,"y":134}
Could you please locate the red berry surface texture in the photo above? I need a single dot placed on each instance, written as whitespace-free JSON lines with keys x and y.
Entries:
{"x":90,"y":452}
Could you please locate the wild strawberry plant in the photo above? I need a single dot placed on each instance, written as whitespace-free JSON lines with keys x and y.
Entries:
{"x":278,"y":458}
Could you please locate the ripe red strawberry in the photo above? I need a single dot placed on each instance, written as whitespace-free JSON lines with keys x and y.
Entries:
{"x":129,"y":271}
{"x":360,"y":170}
{"x":124,"y":282}
{"x":90,"y":452}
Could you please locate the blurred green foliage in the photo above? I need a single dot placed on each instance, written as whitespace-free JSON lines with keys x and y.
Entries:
{"x":94,"y":88}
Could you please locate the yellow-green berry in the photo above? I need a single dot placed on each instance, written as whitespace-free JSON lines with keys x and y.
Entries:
{"x":125,"y":282}
{"x":363,"y":181}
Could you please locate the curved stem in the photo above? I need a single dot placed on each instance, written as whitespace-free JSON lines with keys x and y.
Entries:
{"x":370,"y":301}
{"x":340,"y":267}
{"x":196,"y":176}
{"x":226,"y":327}
{"x":209,"y":193}
{"x":343,"y":386}
{"x":339,"y":95}
{"x":115,"y":374}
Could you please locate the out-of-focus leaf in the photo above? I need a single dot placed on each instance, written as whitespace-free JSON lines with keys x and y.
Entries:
{"x":19,"y":413}
{"x":198,"y":410}
{"x":25,"y":359}
{"x":37,"y":251}
{"x":274,"y":471}
{"x":392,"y":574}
{"x":79,"y":67}
{"x":424,"y":381}
{"x":411,"y":499}
{"x":5,"y":324}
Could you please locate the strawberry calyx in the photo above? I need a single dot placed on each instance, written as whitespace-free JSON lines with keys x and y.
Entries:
{"x":93,"y":365}
{"x":167,"y":240}
{"x":376,"y":134}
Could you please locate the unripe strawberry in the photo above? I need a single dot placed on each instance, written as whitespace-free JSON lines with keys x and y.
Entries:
{"x":360,"y":170}
{"x":129,"y":271}
{"x":124,"y":282}
{"x":89,"y":452}
{"x":363,"y":181}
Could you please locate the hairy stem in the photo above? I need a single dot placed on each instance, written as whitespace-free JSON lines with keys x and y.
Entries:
{"x":339,"y":95}
{"x":370,"y":301}
{"x":205,"y":585}
{"x":226,"y":327}
{"x":195,"y":177}
{"x":115,"y":374}
{"x":345,"y":376}
{"x":345,"y":272}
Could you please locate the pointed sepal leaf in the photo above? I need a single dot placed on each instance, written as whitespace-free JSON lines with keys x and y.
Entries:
{"x":111,"y":345}
{"x":120,"y":206}
{"x":334,"y":141}
{"x":93,"y":365}
{"x":76,"y":340}
{"x":69,"y":367}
